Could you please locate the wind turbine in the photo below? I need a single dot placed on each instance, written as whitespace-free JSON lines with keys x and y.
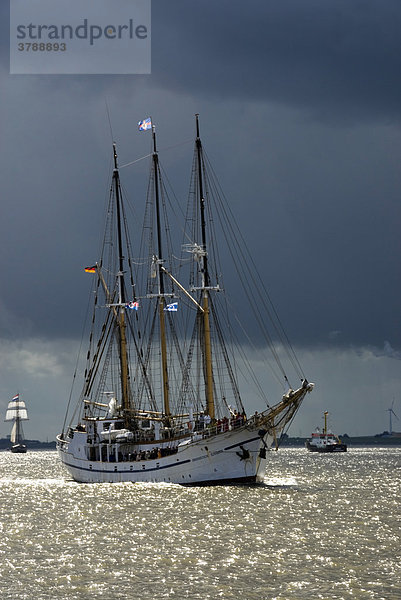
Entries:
{"x":391,"y":413}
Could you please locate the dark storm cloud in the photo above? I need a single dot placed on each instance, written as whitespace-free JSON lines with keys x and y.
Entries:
{"x":308,"y":95}
{"x":339,"y":59}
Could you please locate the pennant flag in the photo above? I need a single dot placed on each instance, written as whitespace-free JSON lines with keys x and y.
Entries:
{"x":90,"y":269}
{"x":173,"y":307}
{"x":133,"y":305}
{"x":145,"y":124}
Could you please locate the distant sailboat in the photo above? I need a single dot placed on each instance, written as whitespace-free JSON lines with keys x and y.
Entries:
{"x":16,"y":411}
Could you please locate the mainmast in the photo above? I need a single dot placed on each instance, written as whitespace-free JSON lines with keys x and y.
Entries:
{"x":121,"y":293}
{"x":19,"y":436}
{"x":163,"y":341}
{"x":205,"y":284}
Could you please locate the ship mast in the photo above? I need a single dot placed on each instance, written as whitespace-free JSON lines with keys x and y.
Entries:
{"x":18,"y":435}
{"x":205,"y":284}
{"x":121,"y":293}
{"x":163,"y":342}
{"x":325,"y":422}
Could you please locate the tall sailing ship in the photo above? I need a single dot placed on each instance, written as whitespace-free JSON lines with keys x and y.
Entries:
{"x":16,"y":412}
{"x":161,"y":399}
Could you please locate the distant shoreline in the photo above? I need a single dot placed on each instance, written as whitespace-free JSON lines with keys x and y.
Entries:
{"x":31,"y":444}
{"x":288,"y":442}
{"x":370,"y":440}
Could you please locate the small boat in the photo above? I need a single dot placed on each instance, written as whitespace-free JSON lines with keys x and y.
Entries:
{"x":161,"y":399}
{"x":16,"y":411}
{"x":325,"y":441}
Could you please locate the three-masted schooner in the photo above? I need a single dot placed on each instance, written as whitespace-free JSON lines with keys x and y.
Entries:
{"x":16,"y":411}
{"x":161,"y":400}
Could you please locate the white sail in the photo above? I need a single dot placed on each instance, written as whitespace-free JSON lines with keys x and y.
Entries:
{"x":13,"y":436}
{"x":16,"y":409}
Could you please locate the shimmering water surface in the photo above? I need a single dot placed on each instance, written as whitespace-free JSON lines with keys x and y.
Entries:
{"x":322,"y":526}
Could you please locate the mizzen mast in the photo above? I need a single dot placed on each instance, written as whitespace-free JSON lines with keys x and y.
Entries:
{"x":205,"y":315}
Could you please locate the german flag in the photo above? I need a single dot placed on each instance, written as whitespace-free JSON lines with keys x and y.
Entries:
{"x":90,"y":269}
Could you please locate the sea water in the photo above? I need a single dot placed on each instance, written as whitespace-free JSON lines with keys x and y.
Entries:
{"x":321,"y":527}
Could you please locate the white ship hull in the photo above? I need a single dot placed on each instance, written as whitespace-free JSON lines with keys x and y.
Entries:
{"x":237,"y":456}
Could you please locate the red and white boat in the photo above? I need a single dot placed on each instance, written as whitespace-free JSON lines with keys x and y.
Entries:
{"x":325,"y":441}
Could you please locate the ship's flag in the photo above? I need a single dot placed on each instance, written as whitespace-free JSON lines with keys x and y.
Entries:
{"x":15,"y":398}
{"x":90,"y":269}
{"x":173,"y":307}
{"x":145,"y":124}
{"x":133,"y":305}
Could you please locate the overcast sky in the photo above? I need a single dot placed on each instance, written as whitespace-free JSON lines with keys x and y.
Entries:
{"x":300,"y":106}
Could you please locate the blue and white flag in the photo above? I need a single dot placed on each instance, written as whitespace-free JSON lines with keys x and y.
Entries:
{"x":133,"y":305}
{"x":173,"y":307}
{"x":145,"y":124}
